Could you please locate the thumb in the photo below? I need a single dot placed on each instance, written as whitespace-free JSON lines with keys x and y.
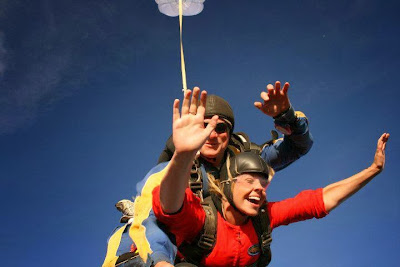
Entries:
{"x":258,"y":105}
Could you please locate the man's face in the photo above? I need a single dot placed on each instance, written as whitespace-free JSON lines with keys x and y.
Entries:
{"x":214,"y":148}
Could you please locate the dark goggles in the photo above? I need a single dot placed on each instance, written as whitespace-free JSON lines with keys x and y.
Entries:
{"x":220,"y":128}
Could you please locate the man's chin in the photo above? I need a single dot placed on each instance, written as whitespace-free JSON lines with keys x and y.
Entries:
{"x":209,"y":153}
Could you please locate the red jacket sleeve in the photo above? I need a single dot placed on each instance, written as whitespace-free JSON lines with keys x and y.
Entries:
{"x":306,"y":205}
{"x":187,"y":222}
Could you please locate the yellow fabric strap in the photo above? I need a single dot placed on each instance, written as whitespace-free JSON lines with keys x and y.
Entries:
{"x":183,"y":69}
{"x":143,"y":205}
{"x":112,"y":248}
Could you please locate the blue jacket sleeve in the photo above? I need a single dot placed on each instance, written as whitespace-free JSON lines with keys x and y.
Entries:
{"x":160,"y":243}
{"x":293,"y":145}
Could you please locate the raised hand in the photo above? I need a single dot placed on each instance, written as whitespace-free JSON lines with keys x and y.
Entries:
{"x":379,"y":159}
{"x":336,"y":193}
{"x":188,"y":130}
{"x":275,"y":100}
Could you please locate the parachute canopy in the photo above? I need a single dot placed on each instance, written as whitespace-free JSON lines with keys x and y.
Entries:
{"x":189,"y":7}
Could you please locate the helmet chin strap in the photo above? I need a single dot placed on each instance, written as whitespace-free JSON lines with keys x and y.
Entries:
{"x":229,"y":196}
{"x":235,"y":208}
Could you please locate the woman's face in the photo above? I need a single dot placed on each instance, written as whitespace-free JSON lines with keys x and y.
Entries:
{"x":249,"y":192}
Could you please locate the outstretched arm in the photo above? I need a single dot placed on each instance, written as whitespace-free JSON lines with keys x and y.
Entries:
{"x":189,"y":135}
{"x":334,"y":194}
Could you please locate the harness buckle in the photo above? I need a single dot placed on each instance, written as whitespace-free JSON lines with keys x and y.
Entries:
{"x":196,"y":186}
{"x":206,"y":241}
{"x":266,"y":240}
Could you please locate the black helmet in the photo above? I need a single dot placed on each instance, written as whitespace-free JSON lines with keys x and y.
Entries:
{"x":245,"y":162}
{"x":216,"y":105}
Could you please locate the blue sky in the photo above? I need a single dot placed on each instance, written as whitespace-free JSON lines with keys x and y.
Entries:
{"x":86,"y":89}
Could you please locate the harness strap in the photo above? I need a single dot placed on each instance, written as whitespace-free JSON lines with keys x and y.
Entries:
{"x":263,"y":229}
{"x":205,"y":241}
{"x":242,"y":142}
{"x":124,"y":258}
{"x":198,"y":183}
{"x":196,"y":180}
{"x":204,"y":178}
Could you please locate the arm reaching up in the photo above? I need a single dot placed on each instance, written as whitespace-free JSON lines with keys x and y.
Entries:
{"x":334,"y":194}
{"x":189,"y":135}
{"x":293,"y":124}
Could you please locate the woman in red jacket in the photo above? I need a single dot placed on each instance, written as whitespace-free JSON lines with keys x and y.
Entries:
{"x":244,"y":180}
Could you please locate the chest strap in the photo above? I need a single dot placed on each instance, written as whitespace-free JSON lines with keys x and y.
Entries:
{"x":262,"y":226}
{"x":205,"y":241}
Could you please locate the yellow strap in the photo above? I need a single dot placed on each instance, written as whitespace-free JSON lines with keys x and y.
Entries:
{"x":183,"y":69}
{"x":112,"y":248}
{"x":143,"y":205}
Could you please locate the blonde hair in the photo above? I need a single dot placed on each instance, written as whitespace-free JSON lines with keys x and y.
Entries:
{"x":215,"y":186}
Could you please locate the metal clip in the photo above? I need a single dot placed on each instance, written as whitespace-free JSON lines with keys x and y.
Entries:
{"x":206,"y":241}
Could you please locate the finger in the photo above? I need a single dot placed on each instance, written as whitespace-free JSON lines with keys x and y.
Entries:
{"x":186,"y":102}
{"x":258,"y":105}
{"x":270,"y":89}
{"x":194,"y":101}
{"x":277,"y":87}
{"x":202,"y":108}
{"x":175,"y":110}
{"x":211,"y":125}
{"x":264,"y":96}
{"x":379,"y":143}
{"x":285,"y":88}
{"x":381,"y":138}
{"x":385,"y":139}
{"x":382,"y":141}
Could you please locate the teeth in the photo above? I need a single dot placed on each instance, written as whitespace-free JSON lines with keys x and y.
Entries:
{"x":254,"y":198}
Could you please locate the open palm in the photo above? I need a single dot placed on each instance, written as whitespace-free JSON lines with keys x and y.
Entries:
{"x":275,"y":100}
{"x":189,"y":133}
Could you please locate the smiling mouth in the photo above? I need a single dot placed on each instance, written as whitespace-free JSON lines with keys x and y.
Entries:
{"x":211,"y":144}
{"x":254,"y":200}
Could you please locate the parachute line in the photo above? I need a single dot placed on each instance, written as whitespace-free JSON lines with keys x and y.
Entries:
{"x":183,"y":68}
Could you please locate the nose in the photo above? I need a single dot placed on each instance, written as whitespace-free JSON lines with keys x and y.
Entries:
{"x":258,"y":185}
{"x":213,"y":134}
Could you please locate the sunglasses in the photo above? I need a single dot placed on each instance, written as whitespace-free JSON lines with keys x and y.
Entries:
{"x":220,"y":128}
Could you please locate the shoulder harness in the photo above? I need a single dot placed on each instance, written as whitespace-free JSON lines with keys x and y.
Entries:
{"x":205,"y":241}
{"x":240,"y":142}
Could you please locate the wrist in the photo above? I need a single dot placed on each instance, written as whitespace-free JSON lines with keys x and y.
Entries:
{"x":185,"y":154}
{"x":285,"y":120}
{"x":288,"y":116}
{"x":184,"y":158}
{"x":375,"y":168}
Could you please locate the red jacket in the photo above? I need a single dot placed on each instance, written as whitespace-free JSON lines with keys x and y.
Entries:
{"x":236,"y":245}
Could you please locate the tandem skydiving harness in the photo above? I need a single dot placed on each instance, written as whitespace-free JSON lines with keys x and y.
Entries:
{"x":198,"y":183}
{"x":206,"y":239}
{"x":239,"y":142}
{"x":121,"y":249}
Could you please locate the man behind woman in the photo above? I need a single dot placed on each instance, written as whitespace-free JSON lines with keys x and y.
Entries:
{"x":241,"y":191}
